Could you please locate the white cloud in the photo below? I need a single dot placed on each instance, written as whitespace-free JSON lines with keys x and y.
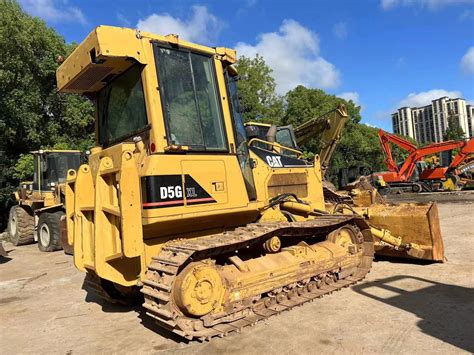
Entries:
{"x":467,"y":61}
{"x":201,"y":27}
{"x":370,"y":125}
{"x":430,"y":4}
{"x":350,"y":95}
{"x":340,"y":30}
{"x":424,"y":98}
{"x":123,"y":20}
{"x":54,"y":11}
{"x":293,"y":54}
{"x":466,"y":15}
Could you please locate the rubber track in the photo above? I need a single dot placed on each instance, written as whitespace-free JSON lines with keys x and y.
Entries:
{"x":162,"y":272}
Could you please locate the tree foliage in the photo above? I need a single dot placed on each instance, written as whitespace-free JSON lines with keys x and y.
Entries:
{"x":23,"y":169}
{"x":359,"y":144}
{"x":454,"y":130}
{"x":33,"y":114}
{"x":259,"y":99}
{"x":304,"y":104}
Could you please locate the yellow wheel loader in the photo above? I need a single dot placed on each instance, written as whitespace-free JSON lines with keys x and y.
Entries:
{"x":40,"y":203}
{"x":216,"y":233}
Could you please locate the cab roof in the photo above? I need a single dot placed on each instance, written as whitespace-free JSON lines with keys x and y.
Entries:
{"x":45,"y":151}
{"x":108,"y":51}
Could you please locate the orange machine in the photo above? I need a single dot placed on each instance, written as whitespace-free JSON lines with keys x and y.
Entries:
{"x":429,"y":178}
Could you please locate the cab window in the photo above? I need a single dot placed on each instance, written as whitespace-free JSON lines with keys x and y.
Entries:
{"x":190,"y":99}
{"x":121,"y":106}
{"x":285,"y":138}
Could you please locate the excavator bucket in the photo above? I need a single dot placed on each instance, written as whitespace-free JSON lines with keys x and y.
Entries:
{"x":415,"y":223}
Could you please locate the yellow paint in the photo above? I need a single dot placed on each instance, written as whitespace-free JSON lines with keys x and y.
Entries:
{"x":113,"y":236}
{"x":116,"y":238}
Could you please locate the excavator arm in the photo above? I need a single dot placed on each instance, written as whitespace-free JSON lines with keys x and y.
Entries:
{"x":329,"y":126}
{"x":467,"y":150}
{"x":385,"y":140}
{"x":408,"y":167}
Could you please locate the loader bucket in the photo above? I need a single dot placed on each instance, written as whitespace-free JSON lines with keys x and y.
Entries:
{"x":415,"y":223}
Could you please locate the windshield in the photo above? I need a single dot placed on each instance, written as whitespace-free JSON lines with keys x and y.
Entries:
{"x":53,"y":168}
{"x":285,"y":138}
{"x":240,"y":136}
{"x":190,"y":99}
{"x":121,"y":106}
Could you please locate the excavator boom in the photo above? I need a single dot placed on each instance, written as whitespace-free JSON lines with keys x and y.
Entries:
{"x":465,"y":152}
{"x":385,"y":140}
{"x":329,"y":126}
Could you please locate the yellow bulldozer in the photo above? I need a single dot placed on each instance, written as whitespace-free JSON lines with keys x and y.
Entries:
{"x":40,"y":203}
{"x":175,"y":203}
{"x":360,"y":197}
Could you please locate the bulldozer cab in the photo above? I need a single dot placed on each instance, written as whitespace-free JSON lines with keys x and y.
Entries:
{"x":285,"y":135}
{"x":51,"y":166}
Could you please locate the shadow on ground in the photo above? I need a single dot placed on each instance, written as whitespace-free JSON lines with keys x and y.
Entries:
{"x":4,"y":259}
{"x":107,"y":306}
{"x":446,"y":311}
{"x":152,"y":325}
{"x":403,"y":260}
{"x":92,"y":296}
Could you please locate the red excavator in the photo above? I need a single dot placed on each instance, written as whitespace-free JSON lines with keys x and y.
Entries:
{"x":414,"y":174}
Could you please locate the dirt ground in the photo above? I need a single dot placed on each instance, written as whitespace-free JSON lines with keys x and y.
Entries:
{"x":398,"y":308}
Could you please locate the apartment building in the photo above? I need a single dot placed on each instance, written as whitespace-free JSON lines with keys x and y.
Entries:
{"x":429,"y":123}
{"x":470,"y":119}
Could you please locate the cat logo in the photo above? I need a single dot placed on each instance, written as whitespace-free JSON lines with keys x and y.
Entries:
{"x":274,"y":161}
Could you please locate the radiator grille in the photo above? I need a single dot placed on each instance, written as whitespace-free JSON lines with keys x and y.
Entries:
{"x":288,"y":183}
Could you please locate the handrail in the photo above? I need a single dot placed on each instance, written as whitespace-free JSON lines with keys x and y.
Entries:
{"x":275,"y":144}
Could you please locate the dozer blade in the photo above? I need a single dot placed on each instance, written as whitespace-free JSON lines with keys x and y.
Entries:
{"x":414,"y":223}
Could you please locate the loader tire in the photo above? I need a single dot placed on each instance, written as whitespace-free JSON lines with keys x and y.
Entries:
{"x":49,"y":231}
{"x":21,"y":226}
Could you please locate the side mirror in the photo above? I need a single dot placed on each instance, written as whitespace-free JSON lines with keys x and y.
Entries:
{"x":232,"y":70}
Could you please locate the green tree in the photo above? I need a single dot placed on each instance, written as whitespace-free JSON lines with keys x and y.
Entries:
{"x":303,"y":104}
{"x":454,"y":130}
{"x":259,"y":99}
{"x":33,"y":114}
{"x":23,"y":169}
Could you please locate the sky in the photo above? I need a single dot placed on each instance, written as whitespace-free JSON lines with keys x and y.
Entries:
{"x":382,"y":54}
